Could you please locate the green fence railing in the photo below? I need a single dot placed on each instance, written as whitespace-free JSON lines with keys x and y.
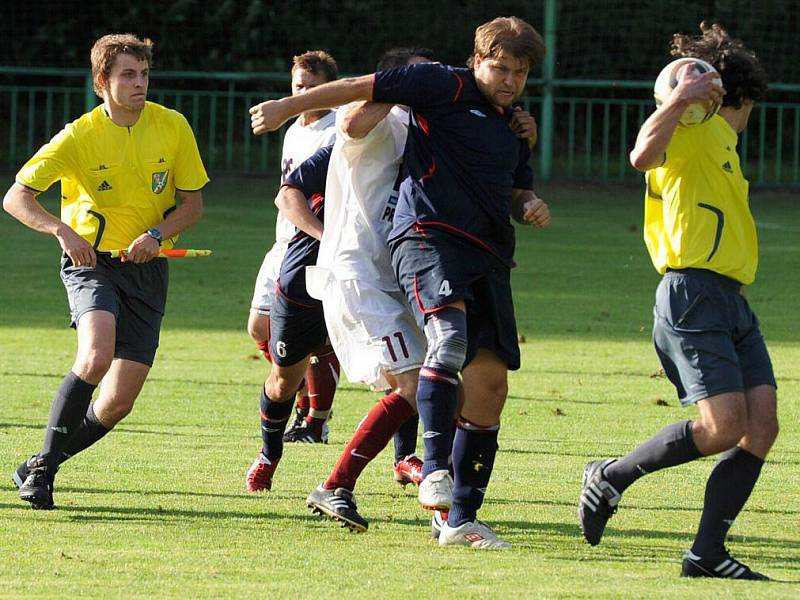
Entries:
{"x":587,"y":127}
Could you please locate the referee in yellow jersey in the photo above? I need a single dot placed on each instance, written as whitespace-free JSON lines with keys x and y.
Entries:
{"x":131,"y":177}
{"x":701,"y":236}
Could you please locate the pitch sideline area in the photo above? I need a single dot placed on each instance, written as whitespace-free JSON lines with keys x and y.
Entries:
{"x":158,"y":508}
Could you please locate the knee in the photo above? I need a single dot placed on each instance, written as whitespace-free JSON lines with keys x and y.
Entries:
{"x":279,"y":388}
{"x":721,"y":432}
{"x":406,"y":386}
{"x":92,"y":366}
{"x":447,"y":340}
{"x":112,"y":410}
{"x":258,"y":327}
{"x":495,"y":394}
{"x":765,"y":429}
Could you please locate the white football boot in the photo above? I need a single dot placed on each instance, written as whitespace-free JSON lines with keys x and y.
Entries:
{"x":436,"y":491}
{"x":476,"y":534}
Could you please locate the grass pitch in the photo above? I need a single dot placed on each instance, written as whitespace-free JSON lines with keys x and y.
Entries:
{"x":158,"y":507}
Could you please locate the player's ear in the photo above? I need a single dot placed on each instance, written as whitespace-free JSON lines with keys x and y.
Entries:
{"x":101,"y":82}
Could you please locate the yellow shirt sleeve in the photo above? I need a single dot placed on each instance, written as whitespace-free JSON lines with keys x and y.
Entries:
{"x":190,"y":174}
{"x":52,"y":162}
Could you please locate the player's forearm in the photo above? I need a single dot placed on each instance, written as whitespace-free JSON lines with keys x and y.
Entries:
{"x":21,"y":203}
{"x":655,"y":135}
{"x":188,"y":212}
{"x":270,"y":115}
{"x":331,"y":95}
{"x":362,"y":118}
{"x":292,"y":203}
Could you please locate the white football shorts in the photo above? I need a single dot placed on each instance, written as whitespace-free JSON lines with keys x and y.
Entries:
{"x":265,"y":281}
{"x":372,"y":331}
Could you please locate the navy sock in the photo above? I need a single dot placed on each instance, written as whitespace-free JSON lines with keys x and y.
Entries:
{"x":436,"y":404}
{"x":670,"y":447}
{"x":474,"y":449}
{"x":274,"y":416}
{"x":68,"y":410}
{"x":727,"y":490}
{"x":405,"y":440}
{"x":88,"y":432}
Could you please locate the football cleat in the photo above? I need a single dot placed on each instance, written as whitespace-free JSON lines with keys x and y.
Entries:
{"x":598,"y":501}
{"x":408,"y":470}
{"x":475,"y":534}
{"x":436,"y":491}
{"x":338,"y":504}
{"x":37,"y":488}
{"x":306,"y":435}
{"x":21,"y":474}
{"x":259,"y":475}
{"x":723,"y":565}
{"x":300,"y":415}
{"x":438,"y":519}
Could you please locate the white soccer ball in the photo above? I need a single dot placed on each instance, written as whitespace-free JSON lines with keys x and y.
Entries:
{"x":666,"y":81}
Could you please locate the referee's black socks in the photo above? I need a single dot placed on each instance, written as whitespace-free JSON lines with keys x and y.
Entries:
{"x":67,"y":412}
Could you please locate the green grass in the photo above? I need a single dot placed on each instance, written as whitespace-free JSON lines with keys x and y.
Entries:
{"x":158,"y":507}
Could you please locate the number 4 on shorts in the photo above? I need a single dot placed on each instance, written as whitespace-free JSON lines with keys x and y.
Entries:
{"x":445,"y":289}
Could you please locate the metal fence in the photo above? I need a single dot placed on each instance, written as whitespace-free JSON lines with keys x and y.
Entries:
{"x":585,"y":133}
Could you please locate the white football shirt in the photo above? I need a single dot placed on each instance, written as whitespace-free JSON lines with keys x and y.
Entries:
{"x":360,"y":200}
{"x":299,"y":144}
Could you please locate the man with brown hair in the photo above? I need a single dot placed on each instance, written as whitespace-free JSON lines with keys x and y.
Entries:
{"x":121,"y":166}
{"x":452,"y":247}
{"x":313,"y":129}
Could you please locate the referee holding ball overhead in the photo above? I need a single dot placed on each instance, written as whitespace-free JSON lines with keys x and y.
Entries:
{"x":131,"y":177}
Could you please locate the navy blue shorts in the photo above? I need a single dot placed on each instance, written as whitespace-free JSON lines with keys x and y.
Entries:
{"x":297,"y":329}
{"x":707,"y":337}
{"x":135,"y":294}
{"x":435,"y":268}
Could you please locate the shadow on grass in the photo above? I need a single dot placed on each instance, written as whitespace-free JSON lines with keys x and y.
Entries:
{"x":552,"y":400}
{"x":21,"y":426}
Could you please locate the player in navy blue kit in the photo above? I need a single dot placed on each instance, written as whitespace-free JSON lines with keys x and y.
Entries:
{"x":453,"y":246}
{"x":297,"y":323}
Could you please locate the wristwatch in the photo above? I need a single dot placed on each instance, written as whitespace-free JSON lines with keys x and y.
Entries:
{"x":155,"y":233}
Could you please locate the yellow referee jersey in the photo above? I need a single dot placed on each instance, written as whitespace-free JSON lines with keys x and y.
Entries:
{"x":696,"y":205}
{"x":117,"y":182}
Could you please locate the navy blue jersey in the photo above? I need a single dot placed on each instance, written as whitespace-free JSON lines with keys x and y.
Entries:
{"x":303,"y":249}
{"x":462,"y":157}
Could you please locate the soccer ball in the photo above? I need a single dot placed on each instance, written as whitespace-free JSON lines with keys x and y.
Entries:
{"x":667,"y":80}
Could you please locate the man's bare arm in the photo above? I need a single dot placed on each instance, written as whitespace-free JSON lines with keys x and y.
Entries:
{"x":292,"y":203}
{"x":362,"y":117}
{"x":657,"y":130}
{"x":21,"y":203}
{"x":188,"y":212}
{"x":270,"y":115}
{"x":527,"y":208}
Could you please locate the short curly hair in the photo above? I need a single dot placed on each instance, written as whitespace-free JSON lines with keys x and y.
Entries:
{"x":743,"y":77}
{"x":317,"y":62}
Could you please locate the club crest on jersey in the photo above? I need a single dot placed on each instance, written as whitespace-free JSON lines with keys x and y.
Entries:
{"x":159,"y":181}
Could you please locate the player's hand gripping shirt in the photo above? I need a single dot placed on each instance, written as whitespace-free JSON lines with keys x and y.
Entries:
{"x":309,"y":178}
{"x":360,"y":200}
{"x":463,"y":159}
{"x":117,"y":182}
{"x":696,"y":205}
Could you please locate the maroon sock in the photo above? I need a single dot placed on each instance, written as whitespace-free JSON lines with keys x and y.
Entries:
{"x":322,"y":377}
{"x":264,"y":347}
{"x":303,"y":402}
{"x":372,"y":435}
